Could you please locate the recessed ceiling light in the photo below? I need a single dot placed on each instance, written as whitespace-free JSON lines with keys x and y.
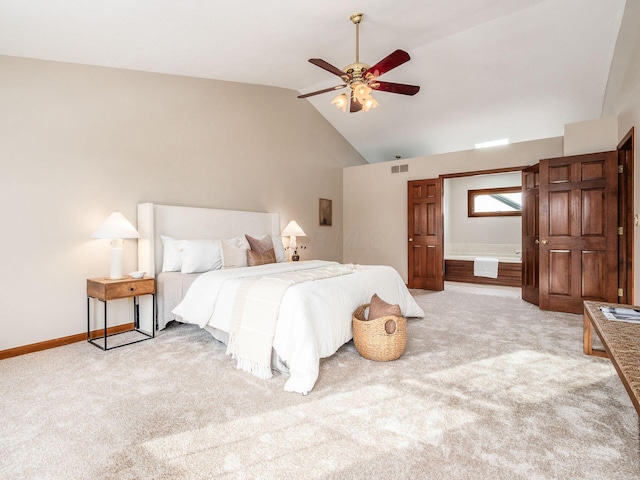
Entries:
{"x":493,"y":143}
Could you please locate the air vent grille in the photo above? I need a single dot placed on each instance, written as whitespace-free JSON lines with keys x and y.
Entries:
{"x":400,"y":168}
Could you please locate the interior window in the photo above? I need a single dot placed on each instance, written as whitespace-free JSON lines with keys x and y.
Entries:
{"x":495,"y":202}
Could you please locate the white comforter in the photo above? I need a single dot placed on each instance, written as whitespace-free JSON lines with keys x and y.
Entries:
{"x":314,"y":320}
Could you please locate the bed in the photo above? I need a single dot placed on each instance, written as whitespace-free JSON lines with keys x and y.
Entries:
{"x":312,"y":319}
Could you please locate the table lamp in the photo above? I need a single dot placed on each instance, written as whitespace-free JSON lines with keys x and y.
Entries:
{"x":116,"y":227}
{"x":293,"y":230}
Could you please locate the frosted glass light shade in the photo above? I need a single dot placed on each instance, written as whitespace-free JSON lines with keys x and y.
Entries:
{"x":369,"y":103}
{"x":362,"y":93}
{"x":341,"y":101}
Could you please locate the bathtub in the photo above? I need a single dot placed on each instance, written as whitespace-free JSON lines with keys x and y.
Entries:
{"x":458,"y":265}
{"x":471,"y":257}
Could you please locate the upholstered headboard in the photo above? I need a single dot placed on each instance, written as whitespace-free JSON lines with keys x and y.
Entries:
{"x":194,"y":223}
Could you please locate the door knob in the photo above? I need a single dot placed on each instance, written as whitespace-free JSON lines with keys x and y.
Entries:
{"x":544,"y":242}
{"x":411,"y":239}
{"x":537,"y":241}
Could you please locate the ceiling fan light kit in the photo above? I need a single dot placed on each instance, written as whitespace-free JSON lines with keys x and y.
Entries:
{"x":361,"y":79}
{"x":341,"y":101}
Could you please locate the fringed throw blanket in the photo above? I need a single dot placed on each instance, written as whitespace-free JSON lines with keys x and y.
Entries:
{"x":255,"y":313}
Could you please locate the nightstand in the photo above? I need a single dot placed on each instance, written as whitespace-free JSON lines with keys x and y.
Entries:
{"x":105,"y":289}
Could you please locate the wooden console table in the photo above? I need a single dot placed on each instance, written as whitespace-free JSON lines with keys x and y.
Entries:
{"x":621,"y":341}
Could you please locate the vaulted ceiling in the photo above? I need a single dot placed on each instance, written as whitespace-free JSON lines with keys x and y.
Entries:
{"x":488,"y":69}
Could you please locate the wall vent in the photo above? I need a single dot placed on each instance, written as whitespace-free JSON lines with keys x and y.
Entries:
{"x":400,"y":168}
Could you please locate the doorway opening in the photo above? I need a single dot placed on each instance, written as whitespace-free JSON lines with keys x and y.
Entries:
{"x":597,"y":223}
{"x":493,"y":236}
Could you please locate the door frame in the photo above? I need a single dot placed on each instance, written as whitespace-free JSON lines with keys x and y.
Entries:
{"x":626,"y":220}
{"x":473,"y":173}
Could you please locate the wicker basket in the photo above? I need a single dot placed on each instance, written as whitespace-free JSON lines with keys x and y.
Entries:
{"x":372,"y":340}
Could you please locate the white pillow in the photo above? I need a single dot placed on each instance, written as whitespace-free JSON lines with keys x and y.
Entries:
{"x":234,"y":252}
{"x":281,"y":256}
{"x":199,"y":255}
{"x":171,"y":256}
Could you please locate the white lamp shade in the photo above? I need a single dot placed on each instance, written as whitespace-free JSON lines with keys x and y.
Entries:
{"x":293,"y":230}
{"x":116,"y":226}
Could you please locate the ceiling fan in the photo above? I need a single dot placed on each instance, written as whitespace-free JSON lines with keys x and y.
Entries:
{"x":362,"y":78}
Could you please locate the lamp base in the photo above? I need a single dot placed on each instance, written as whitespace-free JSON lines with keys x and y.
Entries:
{"x":115,"y":272}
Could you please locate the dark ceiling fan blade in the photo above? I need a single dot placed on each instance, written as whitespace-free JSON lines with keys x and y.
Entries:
{"x":337,"y":87}
{"x":395,"y":88}
{"x":390,"y":62}
{"x":318,"y":62}
{"x":355,"y":106}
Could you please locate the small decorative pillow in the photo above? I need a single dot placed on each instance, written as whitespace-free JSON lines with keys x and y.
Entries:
{"x":171,"y":256}
{"x":234,"y":252}
{"x":379,"y":308}
{"x":200,"y":255}
{"x":266,"y":242}
{"x":260,"y":245}
{"x":254,"y":258}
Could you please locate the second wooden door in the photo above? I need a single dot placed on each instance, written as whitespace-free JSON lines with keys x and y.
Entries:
{"x":578,"y":257}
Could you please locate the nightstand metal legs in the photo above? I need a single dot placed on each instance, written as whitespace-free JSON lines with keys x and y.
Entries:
{"x":101,"y":341}
{"x":136,"y":313}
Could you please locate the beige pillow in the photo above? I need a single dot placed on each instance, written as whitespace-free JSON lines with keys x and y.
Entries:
{"x":260,"y":245}
{"x":233,"y":252}
{"x":379,"y":308}
{"x":254,"y":258}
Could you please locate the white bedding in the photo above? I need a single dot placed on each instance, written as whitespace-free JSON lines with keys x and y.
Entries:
{"x":314,"y":318}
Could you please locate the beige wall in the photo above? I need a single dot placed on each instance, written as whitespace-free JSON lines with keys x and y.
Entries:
{"x":375,"y":200}
{"x":622,"y":100}
{"x":600,"y":135}
{"x":77,"y":142}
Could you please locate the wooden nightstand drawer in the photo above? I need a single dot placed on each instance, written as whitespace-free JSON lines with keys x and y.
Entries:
{"x":106,"y":289}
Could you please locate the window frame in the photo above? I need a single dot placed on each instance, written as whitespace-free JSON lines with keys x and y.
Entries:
{"x":472,"y":194}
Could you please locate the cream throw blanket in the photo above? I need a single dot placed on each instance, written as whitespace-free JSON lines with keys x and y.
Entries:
{"x":255,"y":313}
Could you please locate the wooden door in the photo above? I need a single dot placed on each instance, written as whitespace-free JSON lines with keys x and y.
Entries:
{"x":425,"y":235}
{"x":578,"y":231}
{"x":530,"y":234}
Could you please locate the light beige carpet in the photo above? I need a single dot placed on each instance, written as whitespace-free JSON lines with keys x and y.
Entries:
{"x":489,"y":388}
